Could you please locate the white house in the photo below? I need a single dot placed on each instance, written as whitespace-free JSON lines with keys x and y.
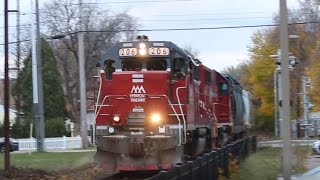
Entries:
{"x":12,"y":115}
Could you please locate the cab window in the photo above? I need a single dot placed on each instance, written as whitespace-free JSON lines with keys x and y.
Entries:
{"x":131,"y":65}
{"x":223,"y":87}
{"x":156,"y":65}
{"x":180,"y":68}
{"x":195,"y":73}
{"x":207,"y":78}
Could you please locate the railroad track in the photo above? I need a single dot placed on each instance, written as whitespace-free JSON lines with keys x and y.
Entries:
{"x":195,"y":166}
{"x":135,"y":175}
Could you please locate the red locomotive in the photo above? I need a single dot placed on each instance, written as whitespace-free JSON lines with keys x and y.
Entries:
{"x":156,"y":106}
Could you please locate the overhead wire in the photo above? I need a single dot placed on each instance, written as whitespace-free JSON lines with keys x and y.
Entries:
{"x":181,"y":29}
{"x":21,"y":25}
{"x":207,"y":19}
{"x":207,"y":28}
{"x":206,"y":14}
{"x":135,"y":2}
{"x":21,"y":13}
{"x":177,"y":20}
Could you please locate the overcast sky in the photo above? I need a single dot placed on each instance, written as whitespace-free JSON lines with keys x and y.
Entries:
{"x":217,"y":49}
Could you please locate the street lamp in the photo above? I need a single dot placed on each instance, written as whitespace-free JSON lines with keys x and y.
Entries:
{"x":292,"y":62}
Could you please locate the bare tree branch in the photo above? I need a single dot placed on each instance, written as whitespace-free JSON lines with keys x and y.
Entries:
{"x":60,"y":18}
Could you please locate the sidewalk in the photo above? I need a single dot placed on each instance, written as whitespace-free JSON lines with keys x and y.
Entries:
{"x":56,"y":150}
{"x":312,"y":161}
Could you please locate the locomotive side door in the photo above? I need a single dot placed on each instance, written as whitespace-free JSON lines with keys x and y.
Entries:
{"x":179,"y":84}
{"x":194,"y":94}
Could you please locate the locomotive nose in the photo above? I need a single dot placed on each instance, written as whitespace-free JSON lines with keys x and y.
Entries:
{"x":146,"y":94}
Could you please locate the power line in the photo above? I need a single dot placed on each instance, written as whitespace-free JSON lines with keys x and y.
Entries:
{"x":9,"y":35}
{"x":135,"y":2}
{"x":25,"y":13}
{"x":210,"y":14}
{"x":16,"y":25}
{"x":172,"y":20}
{"x":175,"y":29}
{"x":14,"y":42}
{"x":207,"y":28}
{"x":209,"y":19}
{"x":206,"y":14}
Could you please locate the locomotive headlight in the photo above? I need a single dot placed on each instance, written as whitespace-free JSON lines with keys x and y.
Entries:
{"x":142,"y":52}
{"x":142,"y":49}
{"x":155,"y":118}
{"x":142,"y":46}
{"x":116,"y":118}
{"x":111,"y":130}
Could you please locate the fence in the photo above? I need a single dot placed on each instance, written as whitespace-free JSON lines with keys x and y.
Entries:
{"x":215,"y":165}
{"x":51,"y":143}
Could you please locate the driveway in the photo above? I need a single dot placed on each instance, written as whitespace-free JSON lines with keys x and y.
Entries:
{"x":312,"y":161}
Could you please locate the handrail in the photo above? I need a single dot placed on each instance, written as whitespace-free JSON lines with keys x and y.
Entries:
{"x":97,"y":110}
{"x":220,"y":104}
{"x":214,"y":111}
{"x":181,"y":111}
{"x":105,"y":97}
{"x":98,"y":96}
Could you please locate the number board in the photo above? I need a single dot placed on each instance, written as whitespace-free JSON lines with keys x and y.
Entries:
{"x":158,"y":51}
{"x":128,"y":52}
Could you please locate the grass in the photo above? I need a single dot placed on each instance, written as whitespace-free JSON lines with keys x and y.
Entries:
{"x":53,"y":161}
{"x":266,"y":164}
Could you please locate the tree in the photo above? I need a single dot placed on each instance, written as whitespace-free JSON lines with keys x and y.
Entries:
{"x":237,"y":71}
{"x":258,"y":75}
{"x":54,"y":103}
{"x":60,"y":18}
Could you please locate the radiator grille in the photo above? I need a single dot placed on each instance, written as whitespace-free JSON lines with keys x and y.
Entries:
{"x":136,"y":119}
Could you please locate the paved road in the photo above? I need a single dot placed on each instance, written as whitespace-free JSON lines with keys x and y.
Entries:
{"x":312,"y":161}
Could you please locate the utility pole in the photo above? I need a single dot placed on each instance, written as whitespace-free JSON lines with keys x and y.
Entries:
{"x":284,"y":43}
{"x":41,"y":126}
{"x":37,"y":86}
{"x":82,"y":81}
{"x":277,"y":95}
{"x":18,"y":100}
{"x":298,"y":87}
{"x":305,"y":99}
{"x":6,"y":90}
{"x":276,"y":102}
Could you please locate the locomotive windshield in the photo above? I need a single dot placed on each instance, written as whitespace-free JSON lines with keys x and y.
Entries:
{"x":150,"y":64}
{"x":131,"y":65}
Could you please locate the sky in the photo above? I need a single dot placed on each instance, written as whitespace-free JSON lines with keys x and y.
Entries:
{"x":217,"y":49}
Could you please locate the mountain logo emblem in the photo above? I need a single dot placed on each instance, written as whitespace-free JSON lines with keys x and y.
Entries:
{"x":138,"y":90}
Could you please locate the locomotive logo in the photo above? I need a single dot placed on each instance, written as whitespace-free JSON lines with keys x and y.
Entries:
{"x":138,"y":94}
{"x":137,"y":90}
